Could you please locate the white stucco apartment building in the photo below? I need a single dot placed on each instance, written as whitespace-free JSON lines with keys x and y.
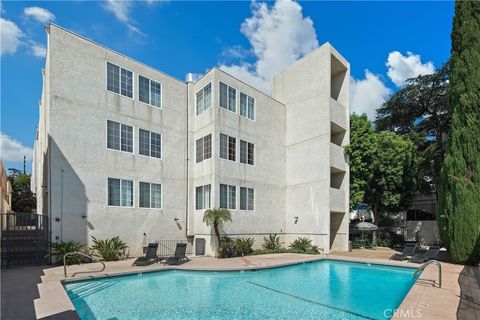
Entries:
{"x":124,"y":149}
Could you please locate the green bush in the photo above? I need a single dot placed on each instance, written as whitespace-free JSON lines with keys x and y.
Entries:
{"x":109,"y":249}
{"x":244,"y":246}
{"x":283,"y":250}
{"x":60,"y":249}
{"x":388,"y":238}
{"x":272,"y":242}
{"x":303,"y":245}
{"x":384,"y":239}
{"x":268,"y":251}
{"x":227,"y":247}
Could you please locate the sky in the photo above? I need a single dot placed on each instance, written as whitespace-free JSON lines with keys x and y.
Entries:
{"x":385,"y":43}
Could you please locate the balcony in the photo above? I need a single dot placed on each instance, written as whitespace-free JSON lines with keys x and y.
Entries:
{"x":337,"y":157}
{"x":337,"y":200}
{"x":338,"y":113}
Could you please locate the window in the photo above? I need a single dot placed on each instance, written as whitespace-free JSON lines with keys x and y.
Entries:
{"x":204,"y":98}
{"x":119,"y":80}
{"x":246,"y":198}
{"x":202,"y":197}
{"x":227,"y":147}
{"x":150,"y":195}
{"x":204,"y":148}
{"x":228,"y":196}
{"x":228,"y":97}
{"x":246,"y":152}
{"x":119,"y":136}
{"x":120,"y":193}
{"x":149,"y":143}
{"x":247,"y":106}
{"x":149,"y":91}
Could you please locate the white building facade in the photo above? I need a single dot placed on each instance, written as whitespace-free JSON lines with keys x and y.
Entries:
{"x":125,"y":150}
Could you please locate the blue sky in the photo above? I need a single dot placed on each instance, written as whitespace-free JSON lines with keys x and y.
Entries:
{"x":385,"y":43}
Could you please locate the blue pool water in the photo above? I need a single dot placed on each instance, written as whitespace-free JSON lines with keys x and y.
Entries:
{"x":319,"y":290}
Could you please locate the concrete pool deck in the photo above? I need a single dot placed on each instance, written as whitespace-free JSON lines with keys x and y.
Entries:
{"x":424,"y":301}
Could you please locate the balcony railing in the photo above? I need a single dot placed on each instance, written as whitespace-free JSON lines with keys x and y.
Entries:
{"x":167,"y":247}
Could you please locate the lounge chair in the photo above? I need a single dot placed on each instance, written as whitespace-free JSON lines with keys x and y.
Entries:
{"x":408,"y":251}
{"x":150,"y":256}
{"x":179,"y":254}
{"x":431,"y":253}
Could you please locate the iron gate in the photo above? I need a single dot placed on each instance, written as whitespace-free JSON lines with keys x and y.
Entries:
{"x":25,"y":239}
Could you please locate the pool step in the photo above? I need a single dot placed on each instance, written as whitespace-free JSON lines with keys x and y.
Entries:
{"x":53,"y":302}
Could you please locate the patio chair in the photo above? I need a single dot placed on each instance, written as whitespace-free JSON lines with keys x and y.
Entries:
{"x":431,"y":253}
{"x":150,"y":256}
{"x":408,"y":251}
{"x":179,"y":254}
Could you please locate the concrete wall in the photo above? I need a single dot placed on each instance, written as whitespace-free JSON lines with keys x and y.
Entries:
{"x":80,"y":161}
{"x":291,"y":175}
{"x":426,"y":232}
{"x":305,"y":89}
{"x":266,"y":176}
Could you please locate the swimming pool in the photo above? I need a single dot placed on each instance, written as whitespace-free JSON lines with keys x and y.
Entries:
{"x":325,"y":289}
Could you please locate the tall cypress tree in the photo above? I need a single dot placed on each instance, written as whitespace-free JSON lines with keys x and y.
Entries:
{"x":459,"y":219}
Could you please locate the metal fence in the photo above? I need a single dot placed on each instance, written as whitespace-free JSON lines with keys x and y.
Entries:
{"x":25,"y":239}
{"x":167,"y":247}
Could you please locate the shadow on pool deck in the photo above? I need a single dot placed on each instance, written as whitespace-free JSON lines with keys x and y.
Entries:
{"x":469,"y":306}
{"x":19,"y":290}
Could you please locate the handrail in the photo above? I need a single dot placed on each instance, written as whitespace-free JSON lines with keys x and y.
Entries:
{"x":82,"y":254}
{"x":416,"y":274}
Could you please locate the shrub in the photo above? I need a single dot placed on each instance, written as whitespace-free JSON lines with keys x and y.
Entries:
{"x":272,"y":242}
{"x":384,"y":239}
{"x":284,"y":250}
{"x":109,"y":249}
{"x":268,"y":251}
{"x":303,"y":245}
{"x":227,"y":247}
{"x":60,"y":249}
{"x":244,"y":246}
{"x":389,"y":238}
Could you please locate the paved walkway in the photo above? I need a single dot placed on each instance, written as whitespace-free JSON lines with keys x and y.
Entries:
{"x":36,"y":292}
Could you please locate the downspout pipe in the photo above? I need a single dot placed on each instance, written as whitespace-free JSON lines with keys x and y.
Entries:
{"x":188,"y":81}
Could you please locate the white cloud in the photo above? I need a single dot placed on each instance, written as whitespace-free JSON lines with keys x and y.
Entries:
{"x":279,"y":35}
{"x":135,"y":31}
{"x":10,"y":36}
{"x":120,"y":9}
{"x":368,"y":94}
{"x":40,"y":14}
{"x":401,"y":68}
{"x":13,"y":150}
{"x":38,"y":50}
{"x":235,"y":52}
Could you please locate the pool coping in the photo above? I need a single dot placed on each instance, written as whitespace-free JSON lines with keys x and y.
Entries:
{"x":248,"y":269}
{"x":64,"y":304}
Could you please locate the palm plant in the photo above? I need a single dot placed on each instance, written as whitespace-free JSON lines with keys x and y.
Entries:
{"x":216,"y":216}
{"x":59,"y":250}
{"x":303,"y":245}
{"x":109,"y":249}
{"x":244,"y":246}
{"x":272,"y":242}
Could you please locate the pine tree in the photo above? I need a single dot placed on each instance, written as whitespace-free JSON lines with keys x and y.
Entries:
{"x":459,"y":207}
